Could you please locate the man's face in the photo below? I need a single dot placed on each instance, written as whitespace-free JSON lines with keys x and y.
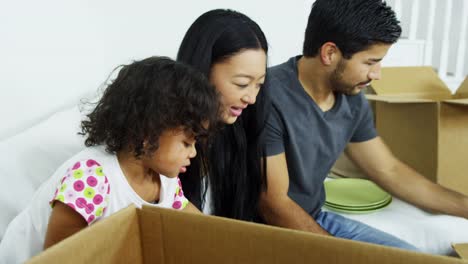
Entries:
{"x":352,"y":75}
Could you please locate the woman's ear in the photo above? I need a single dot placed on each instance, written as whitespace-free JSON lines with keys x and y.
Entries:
{"x":329,"y":52}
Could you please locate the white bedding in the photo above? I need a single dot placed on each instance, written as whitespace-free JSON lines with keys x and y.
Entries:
{"x":28,"y":158}
{"x":431,"y":233}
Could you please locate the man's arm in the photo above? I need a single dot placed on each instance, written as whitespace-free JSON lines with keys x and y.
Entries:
{"x":276,"y":207}
{"x":381,"y":166}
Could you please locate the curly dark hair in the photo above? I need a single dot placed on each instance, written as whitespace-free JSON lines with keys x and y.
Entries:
{"x":147,"y":98}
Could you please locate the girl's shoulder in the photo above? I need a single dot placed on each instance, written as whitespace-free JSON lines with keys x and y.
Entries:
{"x":83,"y":184}
{"x":95,"y":152}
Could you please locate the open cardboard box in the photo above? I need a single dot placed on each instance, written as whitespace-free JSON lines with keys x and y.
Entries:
{"x":461,"y":250}
{"x":155,"y":235}
{"x":424,"y":125}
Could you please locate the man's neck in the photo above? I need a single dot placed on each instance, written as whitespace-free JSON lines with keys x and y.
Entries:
{"x":315,"y":81}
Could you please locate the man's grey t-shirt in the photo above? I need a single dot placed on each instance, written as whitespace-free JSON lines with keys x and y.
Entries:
{"x":311,"y":139}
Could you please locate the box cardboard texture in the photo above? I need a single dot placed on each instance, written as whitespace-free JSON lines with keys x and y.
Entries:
{"x":156,"y":235}
{"x":461,"y":250}
{"x":424,"y":125}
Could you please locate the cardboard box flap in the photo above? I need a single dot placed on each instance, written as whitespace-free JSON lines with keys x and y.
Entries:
{"x":462,"y":91}
{"x":115,"y":239}
{"x":397,"y":99}
{"x":461,"y":249}
{"x":158,"y":235}
{"x":195,"y":238}
{"x":457,"y":101}
{"x":411,"y":80}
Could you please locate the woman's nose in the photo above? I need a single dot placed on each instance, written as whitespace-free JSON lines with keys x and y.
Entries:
{"x":250,"y":97}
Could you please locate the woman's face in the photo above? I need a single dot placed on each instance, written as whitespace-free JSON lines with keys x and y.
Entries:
{"x":238,"y":79}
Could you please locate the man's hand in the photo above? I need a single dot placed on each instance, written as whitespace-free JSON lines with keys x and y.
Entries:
{"x":382,"y":167}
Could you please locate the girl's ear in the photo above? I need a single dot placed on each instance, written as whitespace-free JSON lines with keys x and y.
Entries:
{"x":329,"y":53}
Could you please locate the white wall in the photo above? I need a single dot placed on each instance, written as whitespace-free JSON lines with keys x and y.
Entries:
{"x":455,"y":40}
{"x":53,"y":52}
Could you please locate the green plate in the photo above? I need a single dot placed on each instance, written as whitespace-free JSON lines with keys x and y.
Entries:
{"x":352,"y":192}
{"x":359,"y":207}
{"x":357,"y":211}
{"x":354,"y":208}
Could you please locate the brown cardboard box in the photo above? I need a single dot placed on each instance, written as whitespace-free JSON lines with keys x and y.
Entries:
{"x":423,"y":123}
{"x":461,"y":249}
{"x":155,"y":235}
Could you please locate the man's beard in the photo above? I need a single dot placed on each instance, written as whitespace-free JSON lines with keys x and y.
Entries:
{"x":338,"y":85}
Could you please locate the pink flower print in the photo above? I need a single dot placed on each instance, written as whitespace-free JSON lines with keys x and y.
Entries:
{"x":76,"y":166}
{"x":89,"y":208}
{"x":179,"y":189}
{"x":80,"y":202}
{"x":78,"y":186}
{"x":90,"y":218}
{"x":91,"y":181}
{"x":71,"y":205}
{"x":56,"y":191}
{"x":102,"y":188}
{"x":108,"y":189}
{"x":97,"y":199}
{"x":176,"y":205}
{"x":91,"y":163}
{"x":70,"y":195}
{"x":105,"y":180}
{"x":63,"y":179}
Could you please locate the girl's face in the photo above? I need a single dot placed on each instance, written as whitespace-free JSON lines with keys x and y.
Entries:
{"x":238,"y":79}
{"x":173,"y":155}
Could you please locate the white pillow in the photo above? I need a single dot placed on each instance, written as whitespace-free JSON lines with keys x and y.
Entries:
{"x":29,"y":158}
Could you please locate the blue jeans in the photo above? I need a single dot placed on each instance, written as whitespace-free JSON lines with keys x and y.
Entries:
{"x":342,"y":227}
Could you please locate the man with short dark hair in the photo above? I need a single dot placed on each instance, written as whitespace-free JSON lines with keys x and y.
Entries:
{"x":318,"y":109}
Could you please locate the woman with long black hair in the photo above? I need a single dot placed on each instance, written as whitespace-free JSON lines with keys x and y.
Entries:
{"x":226,"y":178}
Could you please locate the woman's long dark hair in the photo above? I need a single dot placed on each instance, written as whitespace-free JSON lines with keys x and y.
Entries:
{"x":234,"y":158}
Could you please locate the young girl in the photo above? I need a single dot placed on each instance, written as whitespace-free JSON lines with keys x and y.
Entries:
{"x":230,"y":49}
{"x":140,"y":136}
